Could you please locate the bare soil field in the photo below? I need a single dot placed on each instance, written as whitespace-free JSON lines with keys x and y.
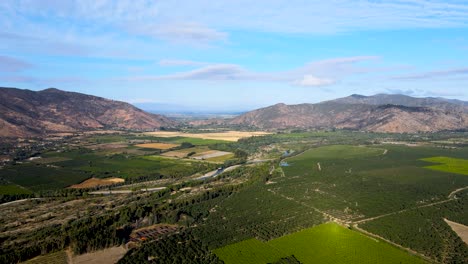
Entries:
{"x":461,"y":230}
{"x":175,"y":154}
{"x":157,"y":145}
{"x":227,"y":136}
{"x":182,"y":153}
{"x":94,"y":182}
{"x":107,"y":256}
{"x":211,"y":154}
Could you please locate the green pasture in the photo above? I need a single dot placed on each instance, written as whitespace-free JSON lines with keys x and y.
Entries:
{"x":326,"y":243}
{"x":11,"y":189}
{"x":448,"y":164}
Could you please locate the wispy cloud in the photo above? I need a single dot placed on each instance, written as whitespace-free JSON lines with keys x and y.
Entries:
{"x":181,"y":32}
{"x":204,"y":20}
{"x":319,"y":73}
{"x":172,"y":62}
{"x":433,"y":74}
{"x":10,"y":64}
{"x":424,"y":93}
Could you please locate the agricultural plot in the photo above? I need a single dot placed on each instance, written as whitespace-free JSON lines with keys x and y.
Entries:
{"x":211,"y":154}
{"x":107,"y":256}
{"x":221,"y":158}
{"x":80,"y":166}
{"x":152,"y":233}
{"x":224,"y":136}
{"x":326,"y":243}
{"x":424,"y":230}
{"x":95,"y":182}
{"x":358,"y":182}
{"x":42,"y":177}
{"x":194,"y":141}
{"x":252,"y":212}
{"x":162,"y":146}
{"x":447,"y":164}
{"x":461,"y":230}
{"x":183,"y":153}
{"x":50,"y":160}
{"x":53,"y":258}
{"x":11,"y":189}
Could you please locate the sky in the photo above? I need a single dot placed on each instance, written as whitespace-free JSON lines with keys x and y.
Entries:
{"x":235,"y":55}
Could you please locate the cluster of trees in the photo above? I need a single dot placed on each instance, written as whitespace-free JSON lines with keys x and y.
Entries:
{"x":177,"y":248}
{"x":98,"y":232}
{"x":425,"y":231}
{"x":5,"y":198}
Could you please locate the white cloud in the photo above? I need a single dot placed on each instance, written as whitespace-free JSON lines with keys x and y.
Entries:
{"x":310,"y":80}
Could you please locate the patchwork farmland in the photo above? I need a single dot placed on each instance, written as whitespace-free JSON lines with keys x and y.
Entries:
{"x":276,"y":190}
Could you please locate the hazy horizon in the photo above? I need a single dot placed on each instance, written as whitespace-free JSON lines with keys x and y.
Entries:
{"x":235,"y":56}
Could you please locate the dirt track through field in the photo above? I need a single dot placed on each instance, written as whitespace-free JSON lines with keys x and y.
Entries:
{"x":452,"y":194}
{"x":401,"y":211}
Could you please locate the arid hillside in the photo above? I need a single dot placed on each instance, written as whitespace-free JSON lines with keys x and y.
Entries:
{"x":25,"y":113}
{"x":380,"y":113}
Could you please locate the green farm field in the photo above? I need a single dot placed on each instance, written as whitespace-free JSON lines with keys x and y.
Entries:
{"x":12,"y":189}
{"x":448,"y":164}
{"x":326,"y":243}
{"x":357,"y":182}
{"x":425,"y":230}
{"x":37,"y":177}
{"x":76,"y":167}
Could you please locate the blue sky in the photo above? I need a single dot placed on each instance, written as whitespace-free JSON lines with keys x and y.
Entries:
{"x":235,"y":55}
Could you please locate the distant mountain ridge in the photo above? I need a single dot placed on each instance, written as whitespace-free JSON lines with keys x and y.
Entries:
{"x":378,"y":113}
{"x":404,"y":100}
{"x":25,"y":113}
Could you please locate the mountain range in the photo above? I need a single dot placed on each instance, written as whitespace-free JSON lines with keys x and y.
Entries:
{"x":25,"y":113}
{"x":378,"y":113}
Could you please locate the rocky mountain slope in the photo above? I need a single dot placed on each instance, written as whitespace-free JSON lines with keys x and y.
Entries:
{"x":379,"y":113}
{"x":25,"y":113}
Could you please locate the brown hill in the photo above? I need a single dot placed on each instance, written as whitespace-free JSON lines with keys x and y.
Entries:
{"x":358,"y":112}
{"x":25,"y":113}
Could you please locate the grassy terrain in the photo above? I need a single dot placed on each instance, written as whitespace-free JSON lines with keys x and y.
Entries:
{"x":221,"y":158}
{"x":40,"y":177}
{"x":326,"y":243}
{"x":11,"y":189}
{"x":339,"y":152}
{"x":249,"y":251}
{"x":448,"y":164}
